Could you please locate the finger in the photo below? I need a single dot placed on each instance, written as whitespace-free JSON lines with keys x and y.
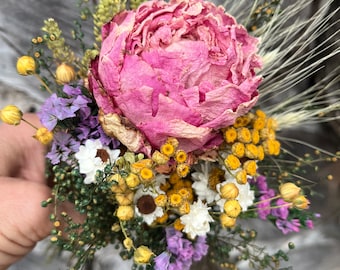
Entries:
{"x":23,"y":221}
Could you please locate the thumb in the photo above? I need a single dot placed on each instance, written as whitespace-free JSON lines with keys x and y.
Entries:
{"x":22,"y":221}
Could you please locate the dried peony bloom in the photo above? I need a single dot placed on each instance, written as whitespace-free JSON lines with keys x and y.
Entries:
{"x":183,"y":69}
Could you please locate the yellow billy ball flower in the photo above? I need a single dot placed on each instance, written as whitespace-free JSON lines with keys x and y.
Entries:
{"x":260,"y":113}
{"x":162,"y":219}
{"x":173,"y":141}
{"x":128,"y":243}
{"x":65,"y":74}
{"x":139,"y":165}
{"x":260,"y":152}
{"x":226,"y":221}
{"x":168,"y":149}
{"x":232,"y":208}
{"x":142,"y":255}
{"x":159,"y":158}
{"x":175,"y":200}
{"x":125,"y":212}
{"x":244,"y":135}
{"x":241,"y":177}
{"x":184,"y":208}
{"x":289,"y":191}
{"x":272,"y":123}
{"x":230,"y":135}
{"x":271,"y":147}
{"x":250,"y":167}
{"x":251,"y":151}
{"x":11,"y":115}
{"x":181,"y":156}
{"x":182,"y":169}
{"x":125,"y":198}
{"x":259,"y":123}
{"x":255,"y":135}
{"x":178,"y":225}
{"x":161,"y":200}
{"x":232,"y":162}
{"x":132,"y":180}
{"x":238,"y":149}
{"x":26,"y":65}
{"x":185,"y":192}
{"x":146,"y":175}
{"x":43,"y":135}
{"x":229,"y":191}
{"x":301,"y":202}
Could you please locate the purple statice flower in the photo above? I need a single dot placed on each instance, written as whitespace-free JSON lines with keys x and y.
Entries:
{"x":72,"y":91}
{"x":200,"y":248}
{"x":186,"y":251}
{"x":162,"y":261}
{"x":56,"y":108}
{"x":173,"y":240}
{"x":283,"y":211}
{"x":63,"y":145}
{"x":183,"y":251}
{"x":287,"y":226}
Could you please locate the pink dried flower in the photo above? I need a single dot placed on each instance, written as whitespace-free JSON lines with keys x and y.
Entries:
{"x":183,"y":69}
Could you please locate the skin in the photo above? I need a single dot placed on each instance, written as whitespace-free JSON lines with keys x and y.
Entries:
{"x":22,"y":188}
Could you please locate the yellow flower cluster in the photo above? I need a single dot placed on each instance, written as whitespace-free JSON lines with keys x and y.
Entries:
{"x":250,"y":138}
{"x":177,"y":198}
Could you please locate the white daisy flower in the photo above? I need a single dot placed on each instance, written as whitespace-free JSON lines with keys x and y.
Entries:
{"x":145,"y":205}
{"x":196,"y":222}
{"x":94,"y":156}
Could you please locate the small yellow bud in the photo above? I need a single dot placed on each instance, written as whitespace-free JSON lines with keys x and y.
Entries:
{"x":178,"y":225}
{"x":232,"y":208}
{"x":229,"y":191}
{"x":301,"y":202}
{"x":175,"y":200}
{"x":232,"y":162}
{"x":65,"y":74}
{"x":227,"y":221}
{"x":116,"y":227}
{"x":132,"y":180}
{"x":182,"y":170}
{"x":125,"y":212}
{"x":289,"y":191}
{"x":161,"y":200}
{"x":11,"y":115}
{"x":26,"y":65}
{"x":142,"y":255}
{"x":241,"y":177}
{"x":181,"y":156}
{"x":125,"y":198}
{"x":159,"y":158}
{"x":128,"y":243}
{"x":43,"y":135}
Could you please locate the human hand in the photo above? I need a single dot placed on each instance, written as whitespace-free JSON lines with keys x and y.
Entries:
{"x":22,"y":188}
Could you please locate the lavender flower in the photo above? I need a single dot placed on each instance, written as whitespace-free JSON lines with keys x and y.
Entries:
{"x":63,"y":145}
{"x":200,"y":248}
{"x":162,"y":261}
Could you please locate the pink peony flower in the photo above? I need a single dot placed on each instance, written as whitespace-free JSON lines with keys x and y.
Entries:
{"x":183,"y":69}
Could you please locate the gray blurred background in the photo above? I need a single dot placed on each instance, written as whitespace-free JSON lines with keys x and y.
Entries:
{"x":317,"y":249}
